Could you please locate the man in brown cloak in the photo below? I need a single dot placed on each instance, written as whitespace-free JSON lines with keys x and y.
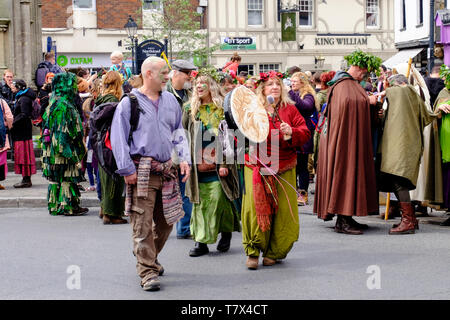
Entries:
{"x":346,"y":183}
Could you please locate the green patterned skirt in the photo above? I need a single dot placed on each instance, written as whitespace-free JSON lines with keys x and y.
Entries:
{"x":214,"y":214}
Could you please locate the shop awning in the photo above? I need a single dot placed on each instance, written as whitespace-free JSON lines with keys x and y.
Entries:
{"x":402,"y":57}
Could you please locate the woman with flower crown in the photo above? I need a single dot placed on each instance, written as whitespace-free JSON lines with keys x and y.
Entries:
{"x":269,"y":206}
{"x":213,"y":184}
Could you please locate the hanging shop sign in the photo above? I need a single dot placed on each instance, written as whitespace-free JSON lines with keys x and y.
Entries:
{"x":288,"y":27}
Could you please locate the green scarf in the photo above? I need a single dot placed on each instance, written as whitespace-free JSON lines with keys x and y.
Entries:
{"x":211,"y":116}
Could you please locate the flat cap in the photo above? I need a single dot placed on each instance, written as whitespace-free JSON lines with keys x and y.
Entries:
{"x":183,"y":65}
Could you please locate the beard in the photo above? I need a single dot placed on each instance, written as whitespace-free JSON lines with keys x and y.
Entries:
{"x":187,"y":85}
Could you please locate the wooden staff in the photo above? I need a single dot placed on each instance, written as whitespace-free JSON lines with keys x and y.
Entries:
{"x":388,"y":199}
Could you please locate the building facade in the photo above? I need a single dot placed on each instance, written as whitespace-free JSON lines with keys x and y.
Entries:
{"x":20,"y":37}
{"x":325,"y":31}
{"x":412,"y":31}
{"x":85,"y":32}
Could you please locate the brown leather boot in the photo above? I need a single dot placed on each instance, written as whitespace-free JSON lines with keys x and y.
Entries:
{"x":408,"y":222}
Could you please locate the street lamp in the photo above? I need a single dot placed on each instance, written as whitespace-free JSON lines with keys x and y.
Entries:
{"x":131,"y":28}
{"x":318,"y":61}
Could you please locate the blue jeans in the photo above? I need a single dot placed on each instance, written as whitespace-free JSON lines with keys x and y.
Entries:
{"x":183,"y":226}
{"x":99,"y":187}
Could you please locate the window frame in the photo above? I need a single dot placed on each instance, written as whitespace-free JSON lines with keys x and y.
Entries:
{"x":262,"y":14}
{"x":268,"y":64}
{"x":248,"y":65}
{"x":419,"y":12}
{"x":93,"y":8}
{"x":312,"y":12}
{"x":153,"y":10}
{"x":378,"y":24}
{"x":402,"y":15}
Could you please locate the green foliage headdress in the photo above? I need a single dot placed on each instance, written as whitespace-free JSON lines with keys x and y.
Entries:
{"x":364,"y":60}
{"x":64,"y":85}
{"x":444,"y":73}
{"x":210,"y":72}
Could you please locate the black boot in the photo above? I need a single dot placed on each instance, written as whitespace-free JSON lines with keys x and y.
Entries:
{"x":224,"y":242}
{"x":343,"y":225}
{"x":25,"y":183}
{"x":199,"y":250}
{"x":357,"y":225}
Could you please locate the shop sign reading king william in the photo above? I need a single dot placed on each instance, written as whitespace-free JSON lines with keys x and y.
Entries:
{"x":238,"y":43}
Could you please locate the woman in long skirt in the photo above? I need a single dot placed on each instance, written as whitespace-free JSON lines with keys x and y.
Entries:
{"x":24,"y":159}
{"x":212,"y":187}
{"x":270,"y":223}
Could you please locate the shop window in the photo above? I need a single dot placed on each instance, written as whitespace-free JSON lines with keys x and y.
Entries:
{"x":84,"y":4}
{"x":255,"y":12}
{"x":372,"y":13}
{"x":269,"y":67}
{"x":306,"y":13}
{"x":249,"y":68}
{"x":155,"y":5}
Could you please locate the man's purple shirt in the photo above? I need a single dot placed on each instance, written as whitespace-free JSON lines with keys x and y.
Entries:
{"x":159,"y":132}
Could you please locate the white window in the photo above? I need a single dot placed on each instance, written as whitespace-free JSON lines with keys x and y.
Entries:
{"x":419,"y":12}
{"x":84,"y":4}
{"x":255,"y":12}
{"x":306,"y":10}
{"x":372,"y":13}
{"x":403,"y":15}
{"x":269,"y":67}
{"x":155,"y":5}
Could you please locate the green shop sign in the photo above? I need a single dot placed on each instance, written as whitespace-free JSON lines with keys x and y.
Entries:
{"x":238,"y":43}
{"x":63,"y":61}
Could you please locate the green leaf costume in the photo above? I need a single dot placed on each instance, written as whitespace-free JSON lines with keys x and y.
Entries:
{"x":63,"y":146}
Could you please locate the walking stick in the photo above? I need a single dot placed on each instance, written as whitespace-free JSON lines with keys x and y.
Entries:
{"x":388,"y":200}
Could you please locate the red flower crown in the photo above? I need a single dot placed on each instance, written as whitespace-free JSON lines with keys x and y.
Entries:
{"x":264,"y":76}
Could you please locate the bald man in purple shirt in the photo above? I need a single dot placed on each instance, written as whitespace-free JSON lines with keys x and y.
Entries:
{"x":158,"y":134}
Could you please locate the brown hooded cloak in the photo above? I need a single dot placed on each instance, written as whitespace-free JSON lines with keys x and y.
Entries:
{"x":346,"y":182}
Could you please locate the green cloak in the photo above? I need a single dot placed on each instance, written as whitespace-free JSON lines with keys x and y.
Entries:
{"x":402,"y":143}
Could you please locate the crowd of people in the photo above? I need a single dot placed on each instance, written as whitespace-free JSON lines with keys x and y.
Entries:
{"x":355,"y":132}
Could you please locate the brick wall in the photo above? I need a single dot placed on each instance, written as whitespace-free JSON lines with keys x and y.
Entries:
{"x":55,"y":13}
{"x":110,"y":13}
{"x":114,"y":13}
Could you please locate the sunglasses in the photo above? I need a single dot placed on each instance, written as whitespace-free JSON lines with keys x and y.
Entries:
{"x":188,"y":73}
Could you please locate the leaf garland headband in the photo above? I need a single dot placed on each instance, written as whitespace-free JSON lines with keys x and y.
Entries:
{"x":444,"y":72}
{"x":364,"y":60}
{"x":210,"y":72}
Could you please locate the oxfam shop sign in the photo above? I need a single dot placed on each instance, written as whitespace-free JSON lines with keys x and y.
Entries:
{"x":94,"y":60}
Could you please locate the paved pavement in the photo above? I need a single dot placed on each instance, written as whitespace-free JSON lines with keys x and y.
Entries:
{"x":41,"y":255}
{"x":47,"y":257}
{"x":36,"y":196}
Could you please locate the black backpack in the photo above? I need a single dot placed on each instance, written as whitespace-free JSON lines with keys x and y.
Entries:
{"x":100,"y":132}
